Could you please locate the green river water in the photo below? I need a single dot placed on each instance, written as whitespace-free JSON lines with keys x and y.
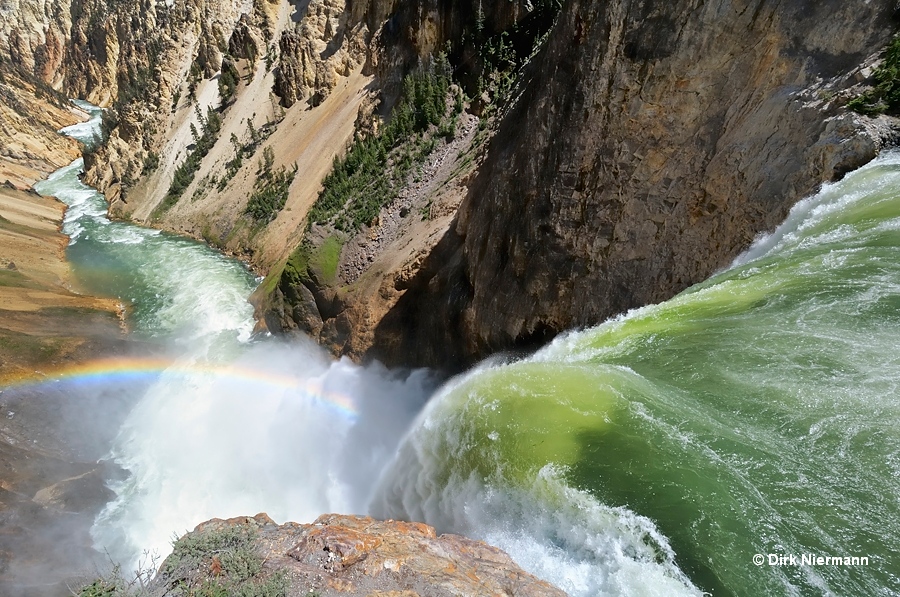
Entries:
{"x":655,"y":454}
{"x":755,"y":413}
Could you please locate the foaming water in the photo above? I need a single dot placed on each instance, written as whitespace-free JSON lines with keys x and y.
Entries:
{"x":469,"y":467}
{"x":755,"y":413}
{"x":308,"y":442}
{"x":172,"y":287}
{"x":224,"y":426}
{"x":489,"y":458}
{"x":88,"y":132}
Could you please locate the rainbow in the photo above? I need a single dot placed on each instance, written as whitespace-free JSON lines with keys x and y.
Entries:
{"x":118,"y":370}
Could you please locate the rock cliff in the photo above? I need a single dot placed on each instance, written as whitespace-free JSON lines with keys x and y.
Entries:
{"x":301,"y":73}
{"x":368,"y":266}
{"x":651,"y":144}
{"x":30,"y":147}
{"x":640,"y":150}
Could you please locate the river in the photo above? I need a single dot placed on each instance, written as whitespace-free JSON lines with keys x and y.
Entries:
{"x":663,"y":452}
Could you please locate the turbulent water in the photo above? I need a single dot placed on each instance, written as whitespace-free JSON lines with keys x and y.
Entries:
{"x":755,"y":414}
{"x":170,"y":286}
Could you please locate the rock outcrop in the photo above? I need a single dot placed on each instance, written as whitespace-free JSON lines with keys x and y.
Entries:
{"x":33,"y":37}
{"x":341,"y":555}
{"x":79,"y":47}
{"x":313,"y":56}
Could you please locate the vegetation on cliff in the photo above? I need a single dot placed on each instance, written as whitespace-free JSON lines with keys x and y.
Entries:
{"x":245,"y":148}
{"x":885,"y":95}
{"x":418,"y":162}
{"x":210,"y":126}
{"x":228,"y":80}
{"x":319,"y":260}
{"x":270,"y":190}
{"x":375,"y":167}
{"x":213,"y":562}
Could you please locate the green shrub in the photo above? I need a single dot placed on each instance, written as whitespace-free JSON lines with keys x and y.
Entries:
{"x":885,"y":95}
{"x":374,"y":168}
{"x":194,"y":77}
{"x":239,"y":571}
{"x":102,"y":588}
{"x":228,"y":80}
{"x":220,"y":562}
{"x":151,"y":163}
{"x":270,"y":191}
{"x":114,"y":584}
{"x":189,"y":551}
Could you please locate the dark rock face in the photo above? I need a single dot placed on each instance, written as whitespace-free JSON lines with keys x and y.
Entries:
{"x":654,"y":141}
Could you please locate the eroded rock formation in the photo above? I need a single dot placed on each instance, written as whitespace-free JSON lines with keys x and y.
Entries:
{"x":652,"y":144}
{"x":646,"y":146}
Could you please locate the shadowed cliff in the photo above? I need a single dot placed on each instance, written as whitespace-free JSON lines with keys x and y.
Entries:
{"x":652,"y":144}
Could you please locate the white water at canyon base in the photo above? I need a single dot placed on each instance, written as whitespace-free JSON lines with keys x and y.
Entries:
{"x":755,"y":413}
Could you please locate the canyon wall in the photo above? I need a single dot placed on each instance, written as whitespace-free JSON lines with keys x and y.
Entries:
{"x":652,"y":143}
{"x":302,"y":73}
{"x":33,"y":37}
{"x":639,"y":151}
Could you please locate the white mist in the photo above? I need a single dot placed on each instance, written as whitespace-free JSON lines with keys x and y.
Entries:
{"x":281,"y":429}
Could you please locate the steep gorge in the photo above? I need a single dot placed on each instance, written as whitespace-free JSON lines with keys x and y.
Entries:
{"x":650,"y":146}
{"x":636,"y":160}
{"x":633,"y":158}
{"x":637,"y":151}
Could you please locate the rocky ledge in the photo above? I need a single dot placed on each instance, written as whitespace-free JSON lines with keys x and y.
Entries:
{"x":338,"y":555}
